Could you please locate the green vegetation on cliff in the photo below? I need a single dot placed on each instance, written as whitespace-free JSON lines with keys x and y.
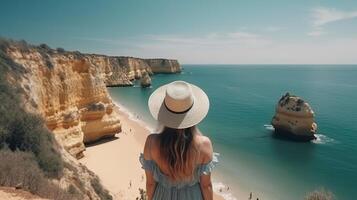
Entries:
{"x":23,"y":131}
{"x":30,"y":157}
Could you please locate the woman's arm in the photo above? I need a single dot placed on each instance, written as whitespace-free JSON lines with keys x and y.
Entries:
{"x":150,"y":185}
{"x":150,"y":181}
{"x":206,"y":187}
{"x":205,"y":179}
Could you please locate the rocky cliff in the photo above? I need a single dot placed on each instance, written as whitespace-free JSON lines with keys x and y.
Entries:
{"x":69,"y":89}
{"x":145,"y":80}
{"x":164,"y":65}
{"x":294,"y":118}
{"x":122,"y":71}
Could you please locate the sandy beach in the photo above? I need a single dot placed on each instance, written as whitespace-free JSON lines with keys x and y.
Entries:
{"x":116,"y":160}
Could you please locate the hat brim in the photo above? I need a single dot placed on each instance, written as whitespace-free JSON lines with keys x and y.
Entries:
{"x":167,"y":118}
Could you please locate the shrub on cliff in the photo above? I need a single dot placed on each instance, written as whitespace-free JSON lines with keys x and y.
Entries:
{"x":45,"y":47}
{"x":5,"y":62}
{"x":26,"y":132}
{"x":45,"y":50}
{"x":96,"y":107}
{"x":98,"y":188}
{"x":29,"y":156}
{"x":19,"y":169}
{"x":20,"y":130}
{"x":60,"y":50}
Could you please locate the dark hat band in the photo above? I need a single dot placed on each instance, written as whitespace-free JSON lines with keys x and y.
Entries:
{"x":181,"y":112}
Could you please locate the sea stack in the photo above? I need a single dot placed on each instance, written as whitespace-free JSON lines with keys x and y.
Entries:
{"x":145,"y":80}
{"x":294,"y":119}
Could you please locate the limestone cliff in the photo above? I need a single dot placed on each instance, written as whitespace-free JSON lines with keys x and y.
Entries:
{"x":294,"y":118}
{"x":145,"y":80}
{"x":121,"y":71}
{"x":69,"y":89}
{"x":164,"y":65}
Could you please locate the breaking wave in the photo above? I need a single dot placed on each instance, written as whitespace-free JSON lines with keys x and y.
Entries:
{"x":221,"y":189}
{"x":269,"y":127}
{"x":322,"y":139}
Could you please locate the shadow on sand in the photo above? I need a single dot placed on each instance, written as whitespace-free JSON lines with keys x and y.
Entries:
{"x":102,"y":141}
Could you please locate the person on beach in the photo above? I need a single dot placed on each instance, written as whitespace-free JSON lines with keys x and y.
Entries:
{"x":178,"y":161}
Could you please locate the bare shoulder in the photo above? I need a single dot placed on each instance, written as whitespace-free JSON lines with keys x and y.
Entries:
{"x":205,"y":148}
{"x":149,"y":144}
{"x":152,"y":136}
{"x":205,"y":142}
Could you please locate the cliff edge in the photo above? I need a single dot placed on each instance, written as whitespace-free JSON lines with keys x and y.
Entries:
{"x":122,"y":71}
{"x":69,"y":88}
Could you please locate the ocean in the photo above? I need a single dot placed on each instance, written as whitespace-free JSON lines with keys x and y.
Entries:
{"x":242,"y":104}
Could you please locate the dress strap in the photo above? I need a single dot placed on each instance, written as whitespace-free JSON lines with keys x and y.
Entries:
{"x":207,"y":168}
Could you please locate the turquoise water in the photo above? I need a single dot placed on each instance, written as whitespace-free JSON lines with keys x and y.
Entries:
{"x":242,"y":101}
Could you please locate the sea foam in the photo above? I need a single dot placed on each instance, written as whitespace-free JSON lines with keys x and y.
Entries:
{"x":320,"y":138}
{"x":269,"y":127}
{"x":323,"y":139}
{"x":221,"y":189}
{"x":136,"y":117}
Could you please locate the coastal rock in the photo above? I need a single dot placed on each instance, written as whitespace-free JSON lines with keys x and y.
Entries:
{"x":68,"y":90}
{"x":294,"y":119}
{"x":135,"y":67}
{"x":145,"y":80}
{"x":115,"y":74}
{"x":122,"y":71}
{"x":164,"y":66}
{"x":79,"y":177}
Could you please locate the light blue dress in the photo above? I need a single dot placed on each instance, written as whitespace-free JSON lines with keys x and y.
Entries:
{"x":188,"y":190}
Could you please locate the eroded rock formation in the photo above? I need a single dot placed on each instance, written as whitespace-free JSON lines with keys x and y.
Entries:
{"x":294,"y":118}
{"x":145,"y":80}
{"x":122,"y":71}
{"x":164,"y":65}
{"x":76,"y":175}
{"x":69,"y":89}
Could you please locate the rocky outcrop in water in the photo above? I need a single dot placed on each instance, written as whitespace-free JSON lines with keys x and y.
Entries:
{"x":294,"y":119}
{"x":145,"y":80}
{"x":69,"y":89}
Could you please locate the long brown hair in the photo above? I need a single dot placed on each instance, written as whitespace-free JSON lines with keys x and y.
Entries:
{"x":179,"y":152}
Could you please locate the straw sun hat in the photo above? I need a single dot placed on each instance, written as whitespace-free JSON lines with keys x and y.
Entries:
{"x":179,"y":104}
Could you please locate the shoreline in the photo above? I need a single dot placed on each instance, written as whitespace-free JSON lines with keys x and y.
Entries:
{"x":219,"y":185}
{"x":116,"y":160}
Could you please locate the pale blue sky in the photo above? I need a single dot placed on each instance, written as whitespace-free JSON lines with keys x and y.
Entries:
{"x":211,"y":31}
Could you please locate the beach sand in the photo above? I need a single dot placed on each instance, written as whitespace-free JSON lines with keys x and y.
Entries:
{"x":116,"y":160}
